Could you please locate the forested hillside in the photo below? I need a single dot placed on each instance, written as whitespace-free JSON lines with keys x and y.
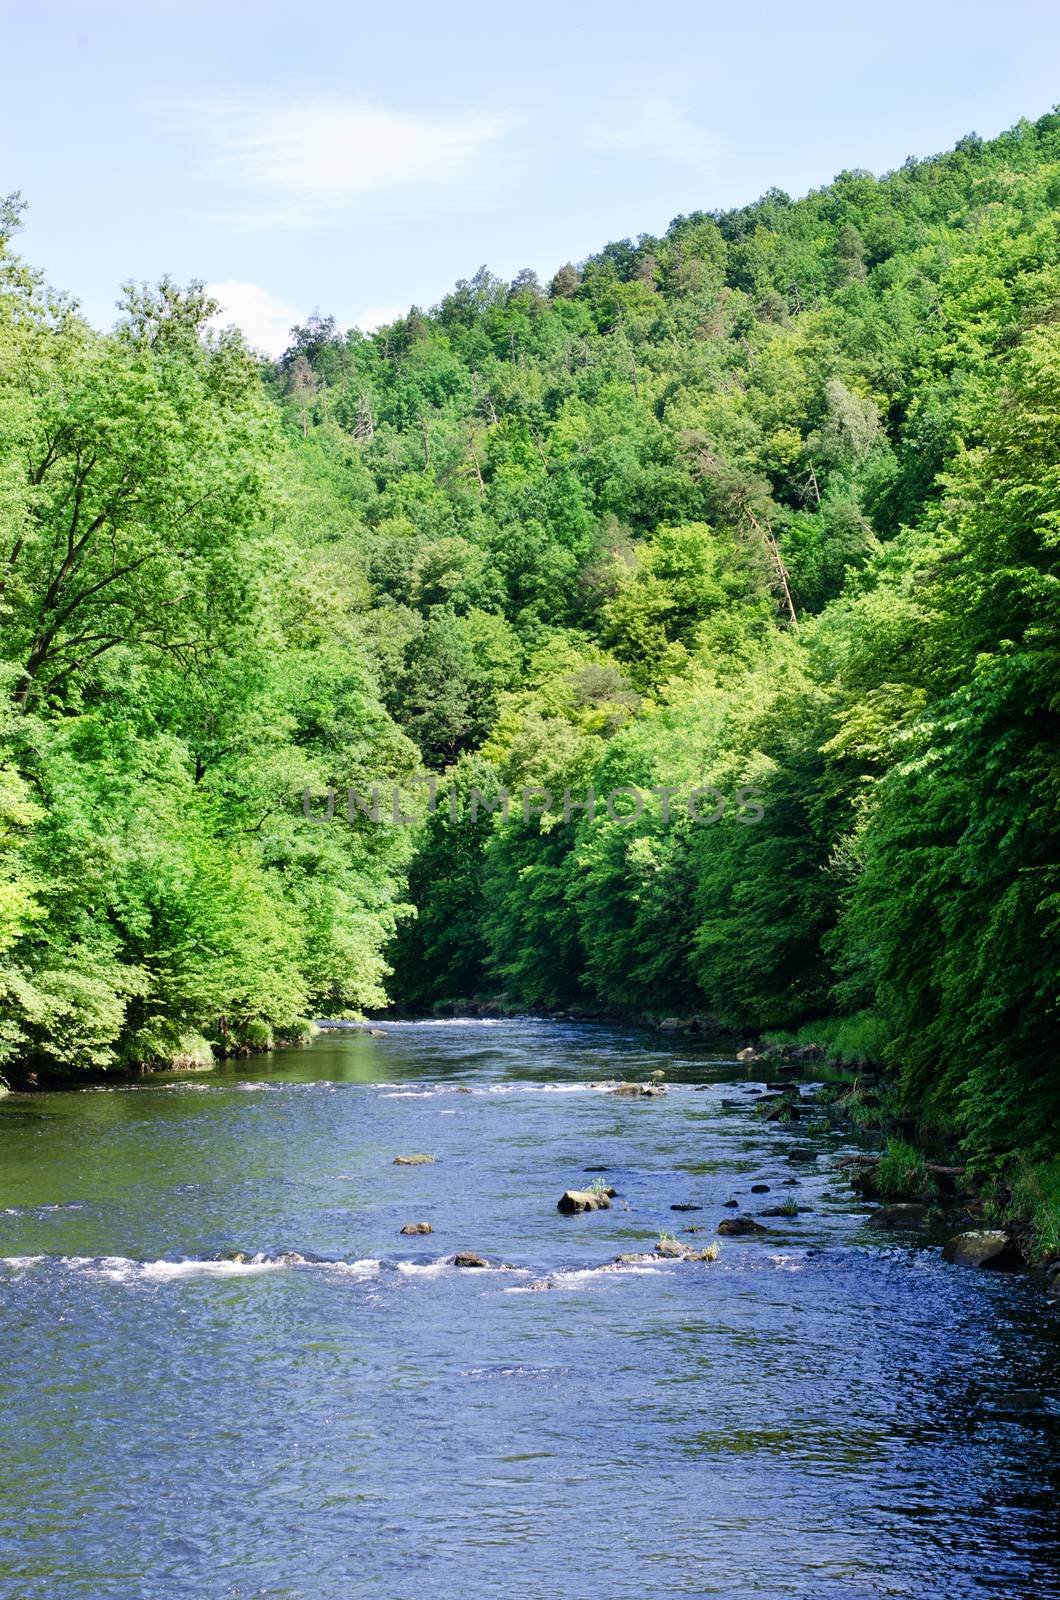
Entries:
{"x":771,"y":500}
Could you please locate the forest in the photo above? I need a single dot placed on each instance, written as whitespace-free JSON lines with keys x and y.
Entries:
{"x":771,"y":501}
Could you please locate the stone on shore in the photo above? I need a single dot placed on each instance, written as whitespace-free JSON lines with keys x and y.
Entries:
{"x":992,"y":1248}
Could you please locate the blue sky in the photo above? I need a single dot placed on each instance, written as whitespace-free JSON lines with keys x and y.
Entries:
{"x":355,"y":159}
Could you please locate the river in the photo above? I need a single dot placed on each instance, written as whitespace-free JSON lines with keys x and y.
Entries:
{"x":819,"y":1413}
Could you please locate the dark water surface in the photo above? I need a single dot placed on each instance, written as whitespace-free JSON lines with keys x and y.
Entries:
{"x":816,"y":1414}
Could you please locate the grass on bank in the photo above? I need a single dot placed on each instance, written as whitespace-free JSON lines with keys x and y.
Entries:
{"x":1036,"y":1200}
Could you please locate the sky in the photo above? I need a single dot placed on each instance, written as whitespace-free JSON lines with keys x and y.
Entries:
{"x":356,"y":159}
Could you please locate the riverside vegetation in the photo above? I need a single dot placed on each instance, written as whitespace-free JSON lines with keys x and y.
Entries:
{"x":771,"y":499}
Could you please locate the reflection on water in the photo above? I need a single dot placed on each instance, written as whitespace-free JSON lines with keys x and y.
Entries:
{"x":225,"y":1373}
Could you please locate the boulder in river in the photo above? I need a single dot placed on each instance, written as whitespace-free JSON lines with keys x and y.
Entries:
{"x":801,"y":1152}
{"x":685,"y":1206}
{"x":417,"y":1227}
{"x":666,"y":1249}
{"x":469,"y":1258}
{"x":731,"y":1205}
{"x":573,"y":1201}
{"x":993,"y":1248}
{"x":413,"y":1161}
{"x":759,"y":1188}
{"x":740,"y":1225}
{"x":906,"y":1214}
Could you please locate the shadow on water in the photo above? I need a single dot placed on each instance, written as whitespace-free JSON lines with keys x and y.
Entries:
{"x":224,"y":1372}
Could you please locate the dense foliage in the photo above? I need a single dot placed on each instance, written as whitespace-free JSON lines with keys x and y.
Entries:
{"x":769,"y":502}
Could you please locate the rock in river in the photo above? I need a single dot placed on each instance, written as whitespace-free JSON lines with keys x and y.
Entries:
{"x":905,"y":1215}
{"x":575,"y":1200}
{"x":413,"y":1161}
{"x":740,"y":1225}
{"x":417,"y":1227}
{"x":987,"y":1247}
{"x":469,"y":1258}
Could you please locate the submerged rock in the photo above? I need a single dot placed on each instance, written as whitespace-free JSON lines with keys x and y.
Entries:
{"x":417,"y":1227}
{"x":731,"y":1205}
{"x":1020,"y":1400}
{"x":685,"y":1206}
{"x":573,"y":1201}
{"x":986,"y":1247}
{"x":741,"y":1225}
{"x":902,"y":1215}
{"x":413,"y":1161}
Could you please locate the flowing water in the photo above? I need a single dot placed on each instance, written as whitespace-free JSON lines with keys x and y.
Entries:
{"x":821,"y":1412}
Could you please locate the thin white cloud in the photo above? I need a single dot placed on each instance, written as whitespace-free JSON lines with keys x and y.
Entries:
{"x":373,"y":317}
{"x":657,"y":130}
{"x":265,"y":319}
{"x":297,"y":162}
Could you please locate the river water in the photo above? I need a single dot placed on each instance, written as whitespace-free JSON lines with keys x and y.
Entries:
{"x":819,"y":1413}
